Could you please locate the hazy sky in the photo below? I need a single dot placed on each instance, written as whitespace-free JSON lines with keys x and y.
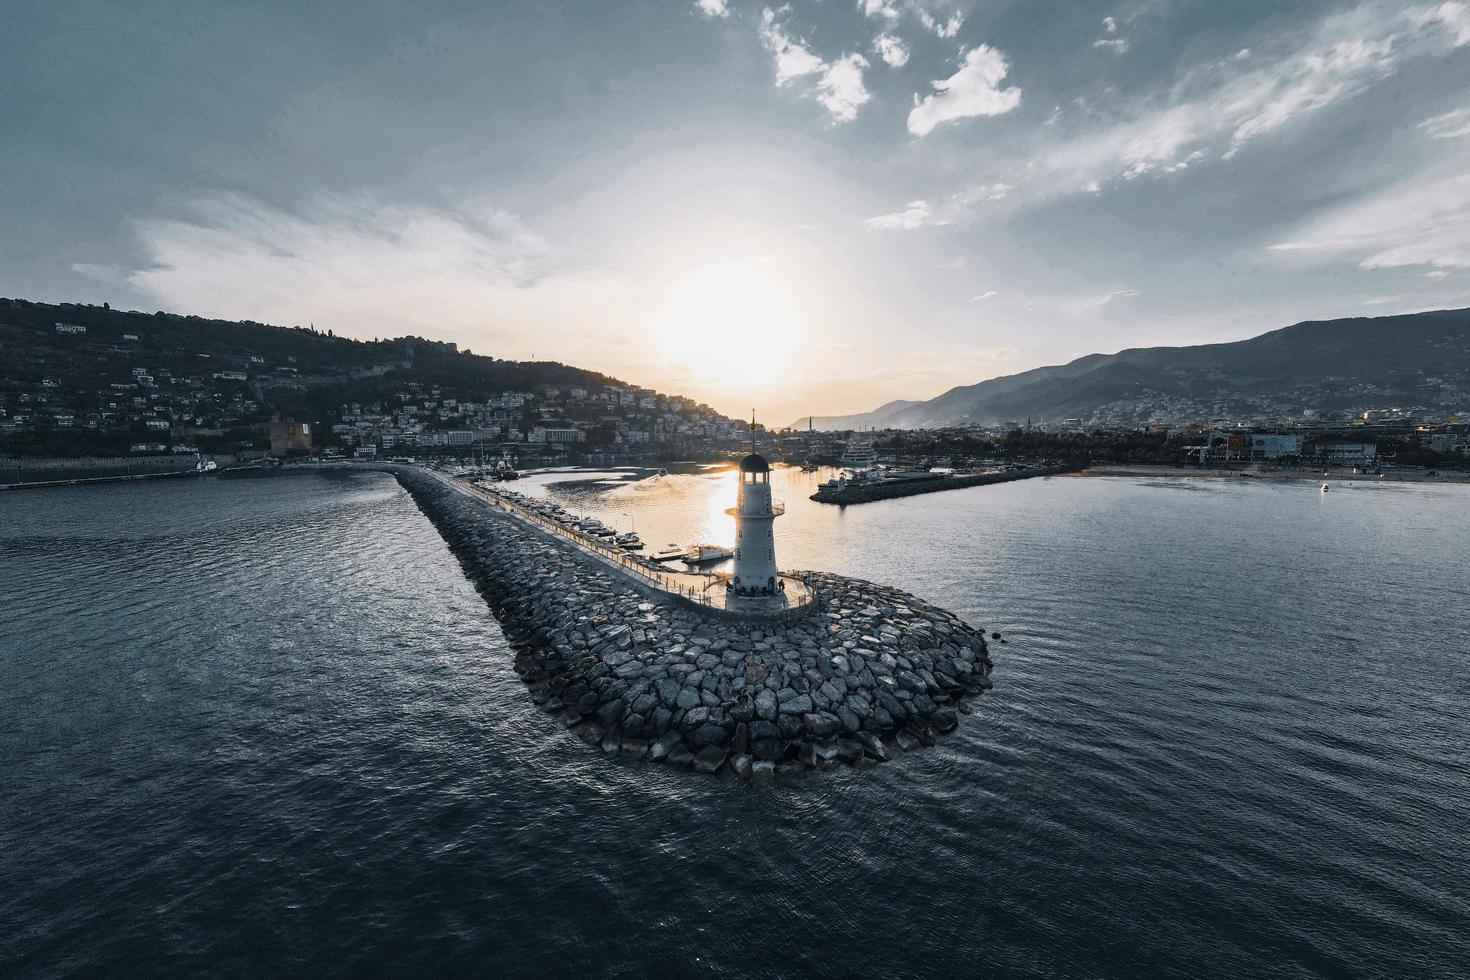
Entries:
{"x":812,"y":207}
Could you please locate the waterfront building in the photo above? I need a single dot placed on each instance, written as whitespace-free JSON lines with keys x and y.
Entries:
{"x":755,"y":513}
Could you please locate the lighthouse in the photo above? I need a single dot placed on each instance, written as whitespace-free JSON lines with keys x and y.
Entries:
{"x":755,"y":571}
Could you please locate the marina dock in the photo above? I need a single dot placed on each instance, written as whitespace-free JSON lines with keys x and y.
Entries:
{"x":869,"y":491}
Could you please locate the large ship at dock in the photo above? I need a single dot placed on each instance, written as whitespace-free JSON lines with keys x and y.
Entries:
{"x":859,"y":455}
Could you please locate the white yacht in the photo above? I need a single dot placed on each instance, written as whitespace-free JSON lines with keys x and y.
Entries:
{"x":859,"y":455}
{"x":706,"y":553}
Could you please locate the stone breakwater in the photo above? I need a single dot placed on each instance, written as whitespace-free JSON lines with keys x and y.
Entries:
{"x":868,"y":672}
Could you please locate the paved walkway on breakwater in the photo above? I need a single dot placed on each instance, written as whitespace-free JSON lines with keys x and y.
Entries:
{"x":864,"y":493}
{"x":868,"y":673}
{"x":704,"y":589}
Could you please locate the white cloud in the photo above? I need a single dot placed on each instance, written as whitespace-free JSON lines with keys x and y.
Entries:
{"x":1434,"y":274}
{"x":713,"y":8}
{"x":1079,"y":306}
{"x":879,"y":9}
{"x":839,"y":86}
{"x":974,"y":90}
{"x":1451,"y":125}
{"x":1454,"y":17}
{"x":915,"y":214}
{"x":957,"y":207}
{"x":945,"y":28}
{"x":988,"y":294}
{"x":372,"y":268}
{"x":1112,"y":42}
{"x":891,"y":49}
{"x":792,"y":58}
{"x":1423,"y":222}
{"x":1222,"y":107}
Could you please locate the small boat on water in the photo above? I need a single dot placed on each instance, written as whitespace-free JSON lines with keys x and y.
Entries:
{"x":629,"y":541}
{"x":1324,"y":488}
{"x":809,"y":467}
{"x":704,"y":554}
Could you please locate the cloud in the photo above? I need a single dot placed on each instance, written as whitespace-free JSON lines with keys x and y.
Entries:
{"x":1218,"y":109}
{"x":1423,"y":222}
{"x":1117,"y":45}
{"x":1434,"y":274}
{"x":879,"y":9}
{"x":1079,"y":306}
{"x":891,"y":50}
{"x":974,"y":90}
{"x":1451,"y":125}
{"x":988,"y":294}
{"x":947,"y":28}
{"x":1110,"y":25}
{"x":371,"y":268}
{"x":839,"y":85}
{"x":916,"y":214}
{"x":713,"y":8}
{"x":793,"y":59}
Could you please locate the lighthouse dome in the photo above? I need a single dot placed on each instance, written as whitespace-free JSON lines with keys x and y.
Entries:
{"x":754,"y":463}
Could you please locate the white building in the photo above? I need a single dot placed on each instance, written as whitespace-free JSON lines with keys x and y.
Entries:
{"x":1271,"y":446}
{"x":70,"y":328}
{"x":755,"y":514}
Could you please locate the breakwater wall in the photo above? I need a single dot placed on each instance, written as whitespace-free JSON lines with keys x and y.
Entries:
{"x":863,"y":493}
{"x":868,"y":672}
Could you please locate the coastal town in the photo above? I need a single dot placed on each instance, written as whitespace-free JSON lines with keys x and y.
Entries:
{"x":161,"y":391}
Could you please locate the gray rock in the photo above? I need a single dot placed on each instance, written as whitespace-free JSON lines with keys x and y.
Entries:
{"x":709,"y":759}
{"x":664,"y":744}
{"x":799,"y":705}
{"x":765,"y":705}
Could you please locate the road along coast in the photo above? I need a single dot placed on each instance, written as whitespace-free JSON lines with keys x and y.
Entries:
{"x":865,"y":673}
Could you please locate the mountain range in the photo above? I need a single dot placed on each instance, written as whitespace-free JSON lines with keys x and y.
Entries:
{"x":1413,"y":361}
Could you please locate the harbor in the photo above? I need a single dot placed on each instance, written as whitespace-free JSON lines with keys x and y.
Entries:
{"x":862,"y":491}
{"x":863,"y":478}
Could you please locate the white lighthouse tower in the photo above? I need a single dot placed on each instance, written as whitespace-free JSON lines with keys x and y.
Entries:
{"x":755,"y":571}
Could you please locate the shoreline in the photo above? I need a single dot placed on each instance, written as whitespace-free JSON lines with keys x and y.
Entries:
{"x":1447,"y":477}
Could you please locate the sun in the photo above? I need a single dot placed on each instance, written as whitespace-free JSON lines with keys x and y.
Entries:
{"x":727,"y":328}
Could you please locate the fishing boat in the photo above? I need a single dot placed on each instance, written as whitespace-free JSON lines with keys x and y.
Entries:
{"x":809,"y":467}
{"x":1324,"y":488}
{"x":629,"y":541}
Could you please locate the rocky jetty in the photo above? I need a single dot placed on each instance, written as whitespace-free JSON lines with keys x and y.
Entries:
{"x":867,"y":672}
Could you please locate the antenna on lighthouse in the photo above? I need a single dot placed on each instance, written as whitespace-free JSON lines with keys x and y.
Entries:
{"x":752,"y":430}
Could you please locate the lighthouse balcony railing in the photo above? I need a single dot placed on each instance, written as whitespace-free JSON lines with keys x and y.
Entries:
{"x":778,"y":507}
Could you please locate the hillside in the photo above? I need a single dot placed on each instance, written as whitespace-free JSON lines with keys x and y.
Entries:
{"x":1416,"y":362}
{"x":80,"y":379}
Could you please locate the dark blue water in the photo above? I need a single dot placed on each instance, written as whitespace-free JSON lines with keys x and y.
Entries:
{"x":257,"y":727}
